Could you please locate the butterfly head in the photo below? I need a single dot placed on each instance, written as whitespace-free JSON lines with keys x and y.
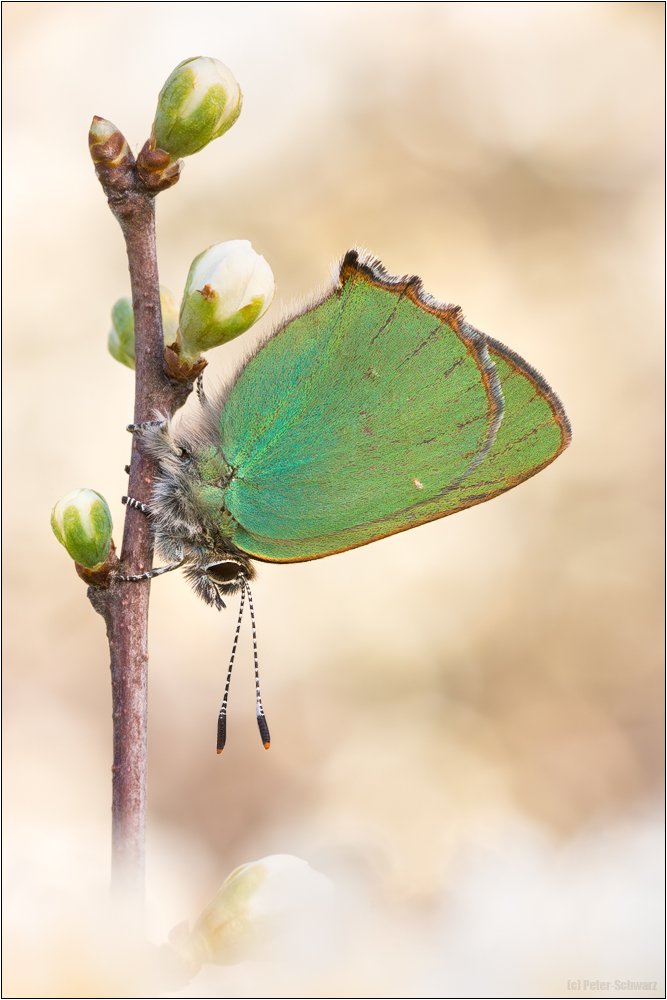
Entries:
{"x":217,"y":579}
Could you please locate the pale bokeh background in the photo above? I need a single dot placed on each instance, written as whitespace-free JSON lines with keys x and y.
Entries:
{"x":466,"y":718}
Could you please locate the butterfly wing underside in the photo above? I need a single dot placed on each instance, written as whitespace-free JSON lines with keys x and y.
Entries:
{"x":374,"y":411}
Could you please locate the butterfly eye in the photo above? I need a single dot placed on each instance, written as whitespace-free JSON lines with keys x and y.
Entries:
{"x":224,"y":572}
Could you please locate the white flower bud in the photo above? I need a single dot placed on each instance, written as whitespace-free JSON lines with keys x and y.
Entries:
{"x":258,"y":903}
{"x":198,"y":103}
{"x":229,"y":287}
{"x":81,"y":521}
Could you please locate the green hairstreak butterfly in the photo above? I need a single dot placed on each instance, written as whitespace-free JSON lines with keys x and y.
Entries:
{"x":372,"y":411}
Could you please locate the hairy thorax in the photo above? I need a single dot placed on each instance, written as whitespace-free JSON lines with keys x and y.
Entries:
{"x":191,"y":522}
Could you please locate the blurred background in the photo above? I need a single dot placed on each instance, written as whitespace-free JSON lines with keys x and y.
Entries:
{"x":466,"y":718}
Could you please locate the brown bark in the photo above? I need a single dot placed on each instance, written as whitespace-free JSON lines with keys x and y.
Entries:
{"x":123,"y":604}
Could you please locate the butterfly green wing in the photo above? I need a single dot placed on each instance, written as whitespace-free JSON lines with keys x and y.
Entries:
{"x":374,"y":411}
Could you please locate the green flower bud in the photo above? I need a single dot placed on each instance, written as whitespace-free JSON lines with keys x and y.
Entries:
{"x":81,"y":521}
{"x":257,"y":906}
{"x":169,"y":310}
{"x":121,"y":334}
{"x":198,"y":103}
{"x":229,"y":287}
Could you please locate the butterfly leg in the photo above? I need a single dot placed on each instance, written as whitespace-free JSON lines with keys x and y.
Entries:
{"x":137,"y":504}
{"x":152,"y":572}
{"x":156,"y":440}
{"x":148,"y":425}
{"x":201,"y":395}
{"x":139,"y":428}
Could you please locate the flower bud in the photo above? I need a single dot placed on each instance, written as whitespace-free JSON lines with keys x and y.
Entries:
{"x":229,"y":287}
{"x":81,"y":521}
{"x":198,"y":103}
{"x":257,"y":904}
{"x":169,"y":310}
{"x":121,"y":334}
{"x":113,"y":158}
{"x":107,"y":144}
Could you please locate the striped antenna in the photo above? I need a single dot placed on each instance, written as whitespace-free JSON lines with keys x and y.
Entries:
{"x":222,"y":716}
{"x":261,"y":719}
